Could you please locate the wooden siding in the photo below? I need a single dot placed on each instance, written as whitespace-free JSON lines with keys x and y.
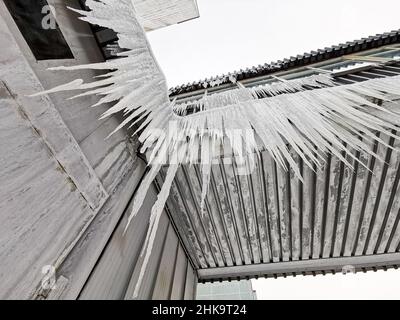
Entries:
{"x":116,"y":272}
{"x":41,"y":209}
{"x":66,"y":188}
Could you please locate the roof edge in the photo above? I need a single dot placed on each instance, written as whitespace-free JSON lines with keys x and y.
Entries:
{"x":305,"y":59}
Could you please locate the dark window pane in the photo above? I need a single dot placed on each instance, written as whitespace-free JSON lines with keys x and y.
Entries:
{"x":46,"y":43}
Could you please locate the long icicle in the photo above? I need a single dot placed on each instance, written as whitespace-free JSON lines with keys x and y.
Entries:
{"x":156,"y":213}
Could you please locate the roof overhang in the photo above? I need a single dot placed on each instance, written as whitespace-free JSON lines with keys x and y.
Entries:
{"x":269,"y":223}
{"x":156,"y":14}
{"x":320,"y":56}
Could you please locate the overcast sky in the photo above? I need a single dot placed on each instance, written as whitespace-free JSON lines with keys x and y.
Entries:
{"x":235,"y":34}
{"x":370,"y":285}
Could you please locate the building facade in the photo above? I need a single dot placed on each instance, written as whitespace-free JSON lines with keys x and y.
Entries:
{"x":234,"y":290}
{"x":67,"y":190}
{"x":268,"y":223}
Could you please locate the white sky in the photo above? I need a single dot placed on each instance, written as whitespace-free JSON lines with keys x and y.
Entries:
{"x":235,"y":34}
{"x":370,"y":285}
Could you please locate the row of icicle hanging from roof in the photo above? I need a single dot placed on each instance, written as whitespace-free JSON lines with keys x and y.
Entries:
{"x":312,"y":116}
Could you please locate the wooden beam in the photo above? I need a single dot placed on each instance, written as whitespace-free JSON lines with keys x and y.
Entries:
{"x":392,"y":46}
{"x":302,"y":266}
{"x":367,"y":58}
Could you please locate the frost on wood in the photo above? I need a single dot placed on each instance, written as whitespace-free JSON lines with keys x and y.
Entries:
{"x":312,"y":115}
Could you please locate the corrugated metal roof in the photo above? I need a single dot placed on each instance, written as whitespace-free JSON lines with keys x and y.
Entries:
{"x":270,"y":223}
{"x":295,"y":62}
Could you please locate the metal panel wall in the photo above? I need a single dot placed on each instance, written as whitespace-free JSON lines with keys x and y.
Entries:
{"x":259,"y":224}
{"x":169,"y":274}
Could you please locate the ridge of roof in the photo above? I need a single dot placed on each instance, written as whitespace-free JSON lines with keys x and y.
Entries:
{"x":320,"y":55}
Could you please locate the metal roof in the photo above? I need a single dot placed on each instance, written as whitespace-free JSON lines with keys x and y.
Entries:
{"x":295,"y":62}
{"x":270,"y":224}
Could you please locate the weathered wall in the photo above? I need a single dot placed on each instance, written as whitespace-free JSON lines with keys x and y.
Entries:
{"x":169,"y":275}
{"x":65,"y":187}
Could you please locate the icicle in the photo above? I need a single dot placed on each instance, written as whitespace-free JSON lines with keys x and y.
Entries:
{"x":243,"y":94}
{"x":73,"y":85}
{"x":156,"y":213}
{"x":142,"y":192}
{"x":310,"y":116}
{"x":206,"y":159}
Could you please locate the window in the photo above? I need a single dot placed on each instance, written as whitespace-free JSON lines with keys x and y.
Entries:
{"x":39,"y":29}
